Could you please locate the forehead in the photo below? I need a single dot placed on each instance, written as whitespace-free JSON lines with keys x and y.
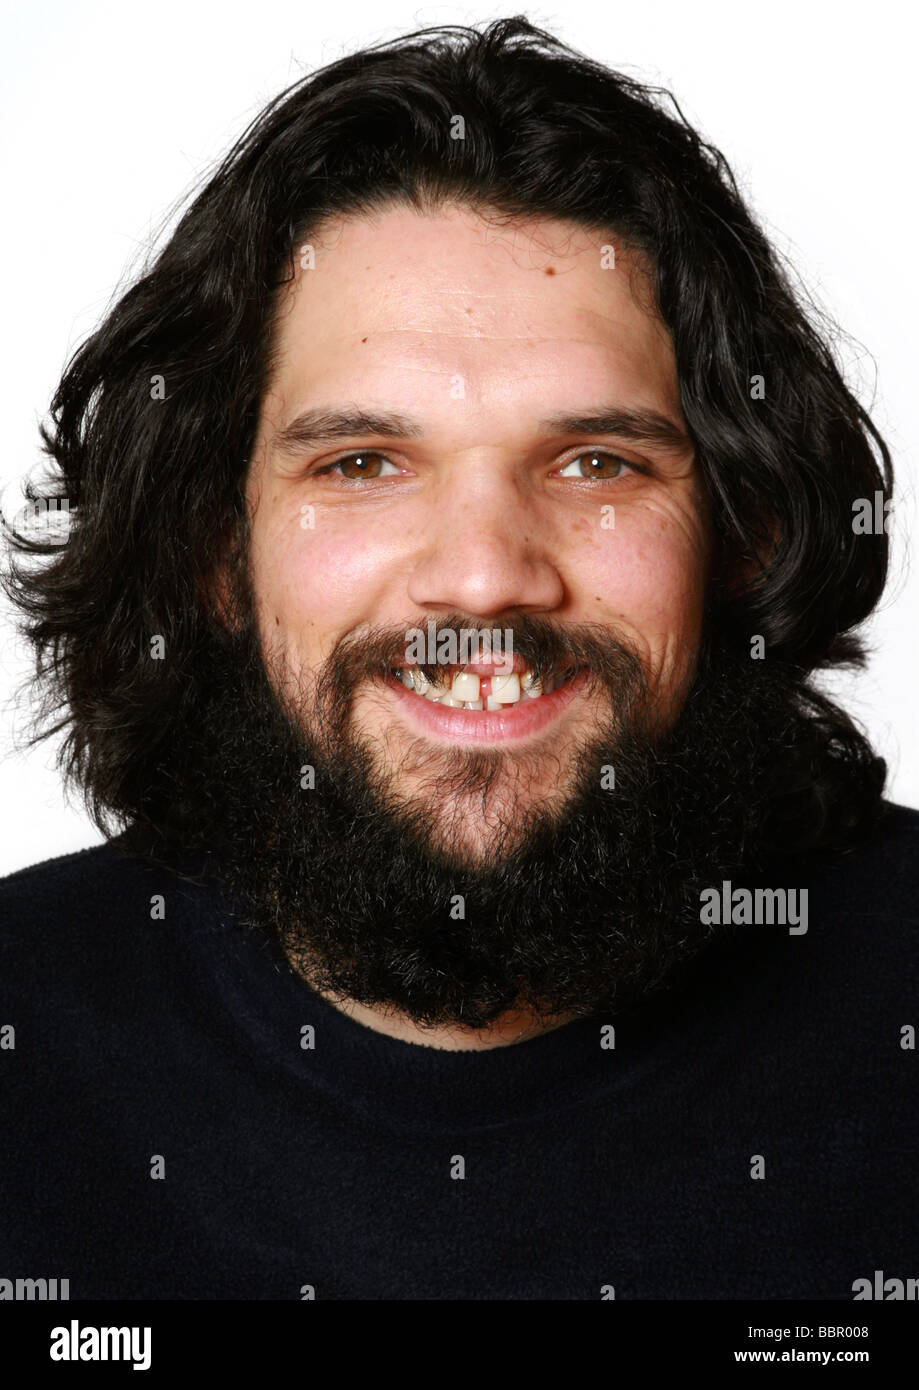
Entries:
{"x":403,"y":306}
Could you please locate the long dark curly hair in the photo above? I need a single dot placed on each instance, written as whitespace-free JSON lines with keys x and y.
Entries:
{"x":156,"y":486}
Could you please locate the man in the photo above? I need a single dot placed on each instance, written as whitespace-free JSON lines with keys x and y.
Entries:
{"x":461,"y":504}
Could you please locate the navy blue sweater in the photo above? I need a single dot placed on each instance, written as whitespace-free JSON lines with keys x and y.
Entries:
{"x":169,"y":1132}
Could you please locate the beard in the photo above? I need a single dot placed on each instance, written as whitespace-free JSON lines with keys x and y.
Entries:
{"x":585,"y":901}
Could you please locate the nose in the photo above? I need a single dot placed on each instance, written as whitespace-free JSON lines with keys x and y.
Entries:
{"x":487,"y":547}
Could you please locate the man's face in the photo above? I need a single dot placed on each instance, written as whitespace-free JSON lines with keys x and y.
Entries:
{"x":489,"y":502}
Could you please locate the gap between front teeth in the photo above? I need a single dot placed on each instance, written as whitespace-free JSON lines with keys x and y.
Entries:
{"x":464,"y":691}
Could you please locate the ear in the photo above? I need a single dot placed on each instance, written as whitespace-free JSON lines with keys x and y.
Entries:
{"x":739,"y":567}
{"x":215,"y":589}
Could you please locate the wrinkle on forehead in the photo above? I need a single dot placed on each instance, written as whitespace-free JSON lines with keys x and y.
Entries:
{"x":381,"y":288}
{"x":554,"y":250}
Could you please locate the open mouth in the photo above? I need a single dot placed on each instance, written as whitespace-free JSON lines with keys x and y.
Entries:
{"x":477,"y":704}
{"x":472,"y":690}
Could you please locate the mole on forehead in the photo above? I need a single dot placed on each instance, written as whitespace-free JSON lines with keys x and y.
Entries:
{"x":414,"y":303}
{"x":404,"y":293}
{"x":539,"y":247}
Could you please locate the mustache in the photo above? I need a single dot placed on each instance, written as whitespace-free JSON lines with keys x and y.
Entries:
{"x":372,"y":652}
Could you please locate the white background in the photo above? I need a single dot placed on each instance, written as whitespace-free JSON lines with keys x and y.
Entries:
{"x":112,"y":111}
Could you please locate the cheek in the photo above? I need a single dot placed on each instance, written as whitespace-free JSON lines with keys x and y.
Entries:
{"x":650,"y":575}
{"x":312,"y":579}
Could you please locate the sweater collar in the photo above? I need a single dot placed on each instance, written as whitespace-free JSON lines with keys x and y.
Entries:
{"x":390,"y":1082}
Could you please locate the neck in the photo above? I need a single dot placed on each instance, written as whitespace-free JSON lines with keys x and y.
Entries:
{"x":514,"y":1026}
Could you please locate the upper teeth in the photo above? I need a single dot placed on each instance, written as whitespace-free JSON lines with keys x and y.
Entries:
{"x":465,"y":688}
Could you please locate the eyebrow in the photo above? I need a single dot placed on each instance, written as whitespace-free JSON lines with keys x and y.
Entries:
{"x":322,"y":425}
{"x":641,"y":426}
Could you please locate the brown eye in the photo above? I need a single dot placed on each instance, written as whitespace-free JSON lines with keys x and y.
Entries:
{"x":361,"y":466}
{"x":597,"y":465}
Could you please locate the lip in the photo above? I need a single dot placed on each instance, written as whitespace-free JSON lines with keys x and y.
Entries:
{"x":513,"y":724}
